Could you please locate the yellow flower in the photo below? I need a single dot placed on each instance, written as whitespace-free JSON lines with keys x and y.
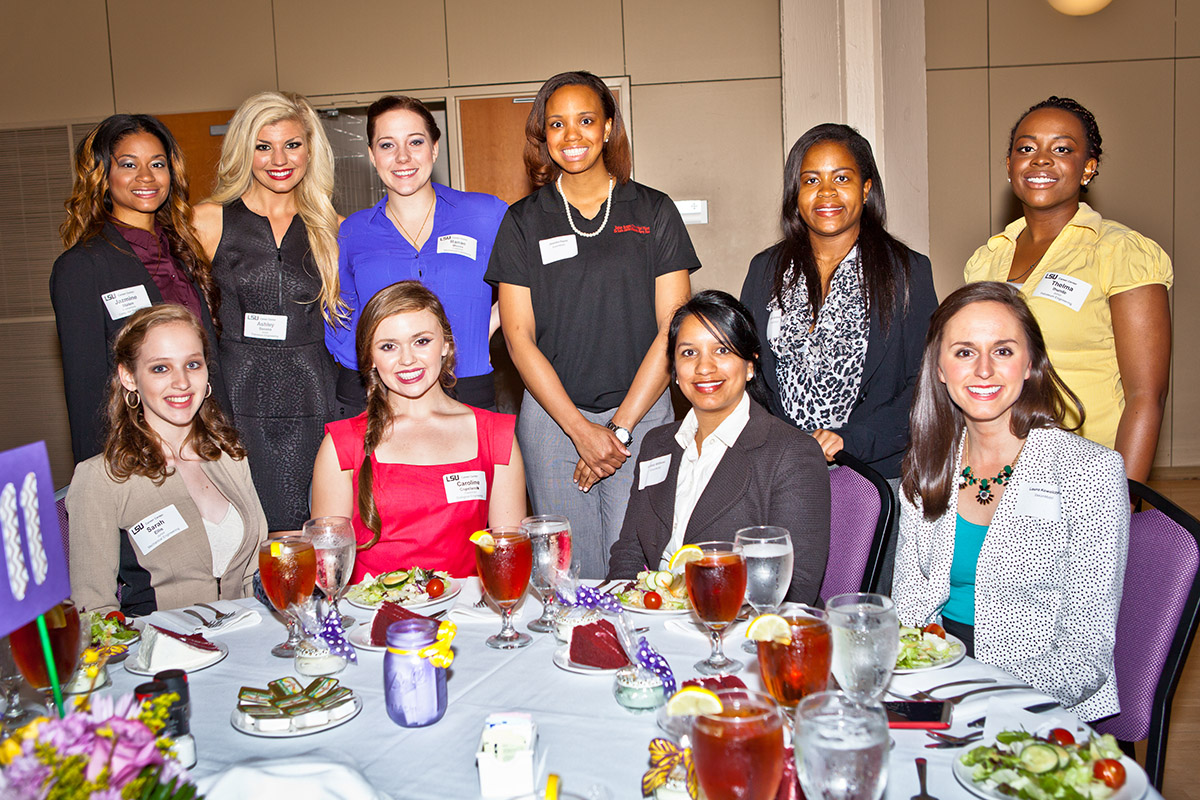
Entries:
{"x":10,"y":748}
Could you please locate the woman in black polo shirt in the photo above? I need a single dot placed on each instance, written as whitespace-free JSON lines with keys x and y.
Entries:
{"x":590,"y":268}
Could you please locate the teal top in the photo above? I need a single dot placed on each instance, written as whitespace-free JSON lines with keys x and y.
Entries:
{"x":968,"y":541}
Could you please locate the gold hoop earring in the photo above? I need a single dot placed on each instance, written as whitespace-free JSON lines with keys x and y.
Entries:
{"x":208,"y":392}
{"x":132,"y":399}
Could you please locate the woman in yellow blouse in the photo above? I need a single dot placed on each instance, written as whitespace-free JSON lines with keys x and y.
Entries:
{"x":1097,"y":288}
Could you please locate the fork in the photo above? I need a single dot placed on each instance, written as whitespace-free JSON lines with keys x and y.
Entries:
{"x":960,"y":697}
{"x":927,"y":694}
{"x":209,"y":625}
{"x":955,"y":741}
{"x":221,"y":615}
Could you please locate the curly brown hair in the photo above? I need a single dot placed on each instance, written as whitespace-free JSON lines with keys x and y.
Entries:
{"x":132,"y":446}
{"x":90,"y":205}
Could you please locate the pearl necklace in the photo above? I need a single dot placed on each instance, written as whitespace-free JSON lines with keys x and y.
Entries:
{"x":607,"y":207}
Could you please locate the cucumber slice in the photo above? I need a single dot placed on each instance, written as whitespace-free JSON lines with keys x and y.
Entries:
{"x":394,"y":580}
{"x":1064,"y":758}
{"x":1039,"y":758}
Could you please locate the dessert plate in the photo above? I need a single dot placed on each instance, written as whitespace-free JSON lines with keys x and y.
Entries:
{"x":562,"y":660}
{"x":360,"y":637}
{"x":222,"y":651}
{"x":235,"y":719}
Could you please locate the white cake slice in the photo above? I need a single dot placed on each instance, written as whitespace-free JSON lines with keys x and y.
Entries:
{"x":160,"y":649}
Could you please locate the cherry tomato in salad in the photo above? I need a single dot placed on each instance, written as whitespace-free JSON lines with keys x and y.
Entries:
{"x":117,"y":615}
{"x":1111,"y":771}
{"x":652,"y":600}
{"x":1061,"y":737}
{"x":935,"y":629}
{"x":435,"y":588}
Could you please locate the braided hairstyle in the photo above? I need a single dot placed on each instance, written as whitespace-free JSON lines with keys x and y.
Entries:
{"x":1091,"y":131}
{"x":399,"y":298}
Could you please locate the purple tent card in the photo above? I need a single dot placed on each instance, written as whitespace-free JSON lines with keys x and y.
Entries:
{"x":34,"y":576}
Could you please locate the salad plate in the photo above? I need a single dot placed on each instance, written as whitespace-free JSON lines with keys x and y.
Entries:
{"x":363,"y":595}
{"x":235,"y":719}
{"x":958,"y":651}
{"x":562,"y":660}
{"x":1135,"y":787}
{"x":660,"y":612}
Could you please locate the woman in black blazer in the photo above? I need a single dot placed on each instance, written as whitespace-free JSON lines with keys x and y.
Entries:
{"x":729,"y":464}
{"x":841,"y":306}
{"x":130,"y":244}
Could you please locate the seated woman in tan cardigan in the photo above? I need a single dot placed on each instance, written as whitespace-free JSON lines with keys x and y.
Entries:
{"x":167,"y":515}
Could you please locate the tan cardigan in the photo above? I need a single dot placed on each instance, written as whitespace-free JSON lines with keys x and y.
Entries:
{"x":102,"y":510}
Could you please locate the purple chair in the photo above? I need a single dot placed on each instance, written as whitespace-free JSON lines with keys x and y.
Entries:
{"x":1160,"y":608}
{"x":862,"y":510}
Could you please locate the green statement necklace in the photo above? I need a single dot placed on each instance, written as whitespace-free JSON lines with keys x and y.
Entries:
{"x":985,"y":494}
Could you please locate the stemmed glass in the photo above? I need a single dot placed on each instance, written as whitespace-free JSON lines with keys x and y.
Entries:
{"x":505,"y":564}
{"x":550,"y":535}
{"x":841,"y":747}
{"x":716,"y":585}
{"x":769,"y":558}
{"x":795,"y":670}
{"x":738,"y":753}
{"x":866,"y":640}
{"x":288,"y":568}
{"x":334,"y":543}
{"x":15,"y":714}
{"x":66,"y":639}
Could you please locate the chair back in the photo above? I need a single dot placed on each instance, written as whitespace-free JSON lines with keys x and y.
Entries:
{"x":862,"y":509}
{"x":1160,"y":606}
{"x":60,"y":506}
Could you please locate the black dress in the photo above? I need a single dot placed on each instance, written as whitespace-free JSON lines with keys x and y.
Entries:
{"x":280,"y":377}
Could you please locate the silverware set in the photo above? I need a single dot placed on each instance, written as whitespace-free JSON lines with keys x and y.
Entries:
{"x":219,"y":622}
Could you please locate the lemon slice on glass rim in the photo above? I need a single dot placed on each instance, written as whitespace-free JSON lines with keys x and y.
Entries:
{"x":692,"y":701}
{"x":483,"y":539}
{"x":769,"y":628}
{"x":684,"y":555}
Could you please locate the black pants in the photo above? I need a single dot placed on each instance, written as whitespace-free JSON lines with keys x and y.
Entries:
{"x":962,"y":631}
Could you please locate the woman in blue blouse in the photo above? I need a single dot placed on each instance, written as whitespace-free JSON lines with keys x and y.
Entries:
{"x":419,"y":231}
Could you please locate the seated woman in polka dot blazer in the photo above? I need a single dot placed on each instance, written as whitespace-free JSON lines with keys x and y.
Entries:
{"x":1013,"y":531}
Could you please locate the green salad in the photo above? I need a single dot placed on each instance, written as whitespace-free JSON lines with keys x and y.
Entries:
{"x":110,"y":631}
{"x":1054,"y":768}
{"x":402,"y":586}
{"x":655,"y":590}
{"x":920,"y":650}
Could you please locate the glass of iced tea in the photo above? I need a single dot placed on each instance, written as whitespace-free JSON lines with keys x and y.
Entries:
{"x":795,"y":670}
{"x":716,"y":586}
{"x":505,"y":564}
{"x":288,"y":569}
{"x":738,"y":753}
{"x":66,"y":637}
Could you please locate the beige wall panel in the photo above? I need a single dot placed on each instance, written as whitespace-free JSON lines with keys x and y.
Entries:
{"x":176,"y":57}
{"x":508,"y":42}
{"x":1187,"y":28}
{"x":55,"y":59}
{"x":1185,"y":377}
{"x":1031,"y":32}
{"x":736,"y":167}
{"x":1133,"y":104}
{"x":359,"y":46}
{"x":959,"y":218}
{"x":696,"y":40}
{"x":32,"y":403}
{"x":956,"y":33}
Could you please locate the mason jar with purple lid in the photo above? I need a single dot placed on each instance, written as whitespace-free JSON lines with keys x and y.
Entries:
{"x":414,"y":687}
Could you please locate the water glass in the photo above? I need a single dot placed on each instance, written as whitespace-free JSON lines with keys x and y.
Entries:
{"x":550,"y":535}
{"x":841,"y":747}
{"x":414,"y":689}
{"x":769,"y":559}
{"x":866,"y":641}
{"x":335,"y":545}
{"x":16,"y":715}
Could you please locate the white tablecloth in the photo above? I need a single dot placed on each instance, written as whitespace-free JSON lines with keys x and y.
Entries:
{"x":588,"y":739}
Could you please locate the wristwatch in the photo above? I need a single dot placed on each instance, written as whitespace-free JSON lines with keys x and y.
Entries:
{"x":622,"y":434}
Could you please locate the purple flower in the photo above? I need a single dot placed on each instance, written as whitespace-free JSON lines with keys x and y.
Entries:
{"x":131,"y":749}
{"x":24,"y":778}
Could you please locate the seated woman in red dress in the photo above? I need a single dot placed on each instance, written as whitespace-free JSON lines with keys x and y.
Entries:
{"x":418,"y":472}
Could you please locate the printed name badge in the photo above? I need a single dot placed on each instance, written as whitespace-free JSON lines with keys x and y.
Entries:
{"x":462,"y":487}
{"x":1040,"y":500}
{"x":654,"y":471}
{"x":265,"y":326}
{"x":123,"y":302}
{"x":559,"y":248}
{"x":1063,"y":289}
{"x":774,"y":324}
{"x":157,"y":528}
{"x":458,"y":244}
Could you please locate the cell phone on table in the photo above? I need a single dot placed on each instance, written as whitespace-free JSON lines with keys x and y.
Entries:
{"x":931,"y":715}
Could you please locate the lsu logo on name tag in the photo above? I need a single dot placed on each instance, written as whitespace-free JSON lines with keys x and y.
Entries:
{"x":462,"y":487}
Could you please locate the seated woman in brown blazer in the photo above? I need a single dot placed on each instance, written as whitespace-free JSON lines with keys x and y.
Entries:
{"x":729,"y":464}
{"x":167,"y":512}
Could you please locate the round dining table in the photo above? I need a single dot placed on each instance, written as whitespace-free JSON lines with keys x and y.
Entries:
{"x":597,"y":747}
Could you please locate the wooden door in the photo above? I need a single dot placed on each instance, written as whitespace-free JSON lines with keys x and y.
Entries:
{"x":201,"y":150}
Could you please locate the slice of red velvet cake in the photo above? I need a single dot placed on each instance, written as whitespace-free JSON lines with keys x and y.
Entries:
{"x":596,"y":645}
{"x":385,"y":616}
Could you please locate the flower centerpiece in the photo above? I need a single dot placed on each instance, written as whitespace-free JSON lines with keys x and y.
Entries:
{"x":103,"y":749}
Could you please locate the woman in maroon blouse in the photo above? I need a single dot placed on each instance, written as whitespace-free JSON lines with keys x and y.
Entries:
{"x":130,"y":244}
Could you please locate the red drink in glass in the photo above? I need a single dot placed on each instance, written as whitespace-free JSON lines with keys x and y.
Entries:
{"x":793,"y":671}
{"x":62,"y":625}
{"x":288,"y":568}
{"x":505,"y":566}
{"x":716,"y":584}
{"x":738,"y":753}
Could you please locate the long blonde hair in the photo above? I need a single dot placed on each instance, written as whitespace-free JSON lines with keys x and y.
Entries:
{"x":313,"y":194}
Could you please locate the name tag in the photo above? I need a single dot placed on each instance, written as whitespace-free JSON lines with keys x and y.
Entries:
{"x":1040,"y":500}
{"x":1063,"y":289}
{"x":458,"y":244}
{"x":265,"y":326}
{"x":462,"y":487}
{"x":157,"y":528}
{"x":654,"y":471}
{"x":123,"y":302}
{"x":559,"y":248}
{"x":774,"y":325}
